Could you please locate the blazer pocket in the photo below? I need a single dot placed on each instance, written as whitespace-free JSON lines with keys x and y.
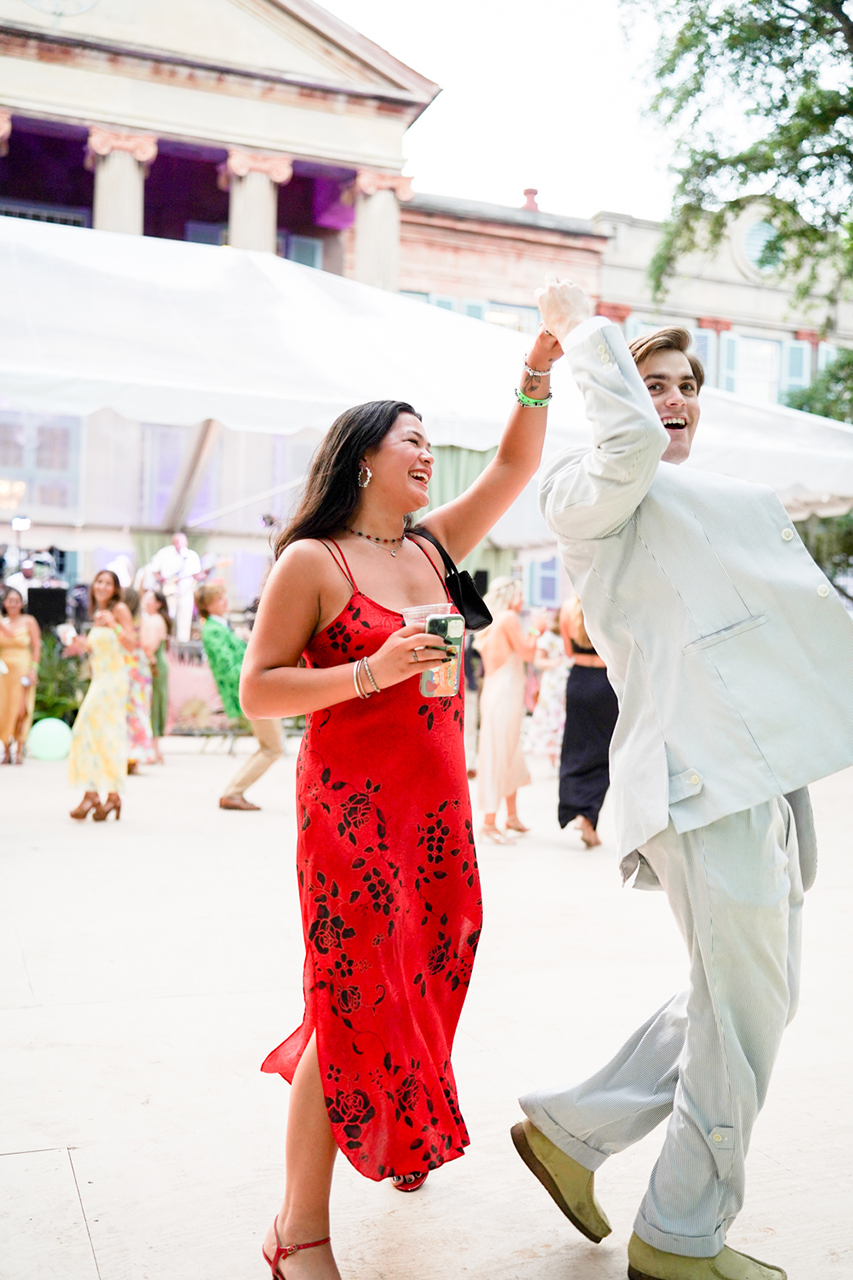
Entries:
{"x":727,"y":633}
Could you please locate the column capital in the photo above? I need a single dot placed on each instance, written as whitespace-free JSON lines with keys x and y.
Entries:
{"x":714,"y":322}
{"x":102,"y":142}
{"x":618,"y":312}
{"x":369,"y":181}
{"x":5,"y":131}
{"x":279,"y":169}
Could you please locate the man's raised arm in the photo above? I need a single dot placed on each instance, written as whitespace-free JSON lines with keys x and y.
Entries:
{"x":591,"y":494}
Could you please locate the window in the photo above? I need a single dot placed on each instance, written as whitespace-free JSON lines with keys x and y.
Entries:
{"x":522,"y":319}
{"x":796,"y":366}
{"x":206,"y":232}
{"x":11,"y":444}
{"x":705,"y":344}
{"x":306,"y":250}
{"x":52,"y":449}
{"x":39,"y":463}
{"x":764,"y":369}
{"x":506,"y":314}
{"x":826,"y":353}
{"x":52,"y":495}
{"x":163,"y":451}
{"x":62,"y":214}
{"x":755,"y":242}
{"x":545,"y":583}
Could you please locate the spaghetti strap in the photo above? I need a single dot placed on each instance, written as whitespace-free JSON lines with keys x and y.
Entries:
{"x":435,"y":571}
{"x":344,"y":568}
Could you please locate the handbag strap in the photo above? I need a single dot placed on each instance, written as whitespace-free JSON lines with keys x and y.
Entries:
{"x":450,"y":567}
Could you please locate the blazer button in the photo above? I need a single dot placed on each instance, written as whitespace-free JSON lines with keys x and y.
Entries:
{"x":823,"y":589}
{"x":787,"y":534}
{"x":602,"y":350}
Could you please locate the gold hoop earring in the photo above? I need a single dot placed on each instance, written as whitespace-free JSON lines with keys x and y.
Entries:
{"x":364,"y":470}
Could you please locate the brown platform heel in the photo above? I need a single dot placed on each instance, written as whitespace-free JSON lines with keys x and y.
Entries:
{"x":112,"y":805}
{"x":90,"y":801}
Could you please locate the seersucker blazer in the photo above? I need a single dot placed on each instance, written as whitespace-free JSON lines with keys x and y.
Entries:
{"x":729,"y":651}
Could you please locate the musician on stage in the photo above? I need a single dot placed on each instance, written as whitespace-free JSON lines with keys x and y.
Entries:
{"x":176,"y":570}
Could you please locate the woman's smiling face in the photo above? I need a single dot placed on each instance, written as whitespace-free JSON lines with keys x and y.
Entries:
{"x":402,"y":464}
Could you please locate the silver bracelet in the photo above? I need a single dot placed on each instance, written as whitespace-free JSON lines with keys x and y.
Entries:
{"x":369,"y":675}
{"x":536,"y":373}
{"x":359,"y":668}
{"x":358,"y":687}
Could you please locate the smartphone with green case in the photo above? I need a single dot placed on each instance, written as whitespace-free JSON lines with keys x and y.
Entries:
{"x":444,"y":682}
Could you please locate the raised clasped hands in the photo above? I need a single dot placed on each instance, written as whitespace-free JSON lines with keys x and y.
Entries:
{"x":406,"y":653}
{"x":563,"y":306}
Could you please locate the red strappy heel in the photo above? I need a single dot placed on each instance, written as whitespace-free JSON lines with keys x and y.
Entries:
{"x":284,"y":1249}
{"x":409,"y":1181}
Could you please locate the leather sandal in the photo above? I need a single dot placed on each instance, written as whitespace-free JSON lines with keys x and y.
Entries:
{"x":284,"y":1250}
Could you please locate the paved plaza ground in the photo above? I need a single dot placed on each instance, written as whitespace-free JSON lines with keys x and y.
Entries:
{"x":147,"y":967}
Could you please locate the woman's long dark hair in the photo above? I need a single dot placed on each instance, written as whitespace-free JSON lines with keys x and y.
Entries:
{"x":115,"y":598}
{"x":162,"y":609}
{"x":331,"y":492}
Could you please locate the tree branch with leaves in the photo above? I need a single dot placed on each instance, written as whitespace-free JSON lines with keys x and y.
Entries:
{"x":760,"y":96}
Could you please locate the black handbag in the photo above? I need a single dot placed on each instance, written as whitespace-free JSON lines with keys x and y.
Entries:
{"x":463,"y":593}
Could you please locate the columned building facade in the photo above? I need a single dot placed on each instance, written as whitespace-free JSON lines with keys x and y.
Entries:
{"x":264,"y":125}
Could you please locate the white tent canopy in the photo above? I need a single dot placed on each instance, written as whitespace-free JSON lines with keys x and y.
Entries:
{"x":162,"y":331}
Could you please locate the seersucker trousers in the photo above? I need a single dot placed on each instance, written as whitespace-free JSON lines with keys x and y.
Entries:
{"x":703,"y":1060}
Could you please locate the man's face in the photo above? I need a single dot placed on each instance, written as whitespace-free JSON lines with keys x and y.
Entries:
{"x":675,"y":395}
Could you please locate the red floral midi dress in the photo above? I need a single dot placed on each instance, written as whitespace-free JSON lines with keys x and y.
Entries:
{"x":391,"y":907}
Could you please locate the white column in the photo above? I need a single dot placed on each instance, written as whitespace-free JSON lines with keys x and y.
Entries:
{"x":377,"y":228}
{"x":253,"y":182}
{"x":121,"y":162}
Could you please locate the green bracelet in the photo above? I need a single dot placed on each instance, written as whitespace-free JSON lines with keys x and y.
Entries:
{"x":532,"y":404}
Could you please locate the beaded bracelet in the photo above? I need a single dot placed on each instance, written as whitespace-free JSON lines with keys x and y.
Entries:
{"x":530,"y":403}
{"x":369,"y":675}
{"x":536,"y":373}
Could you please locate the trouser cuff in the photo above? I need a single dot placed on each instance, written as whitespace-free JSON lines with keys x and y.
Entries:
{"x":687,"y":1246}
{"x":568,"y":1144}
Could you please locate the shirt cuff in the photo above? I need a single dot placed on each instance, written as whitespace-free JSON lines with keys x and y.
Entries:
{"x":583,"y":331}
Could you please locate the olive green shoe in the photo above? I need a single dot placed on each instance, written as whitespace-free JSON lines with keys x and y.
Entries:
{"x":568,"y":1183}
{"x":648,"y":1263}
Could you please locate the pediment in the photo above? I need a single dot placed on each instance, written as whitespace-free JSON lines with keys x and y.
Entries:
{"x":292,"y":38}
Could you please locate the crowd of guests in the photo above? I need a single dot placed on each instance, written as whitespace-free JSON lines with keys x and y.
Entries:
{"x":573,"y":716}
{"x":127,"y":647}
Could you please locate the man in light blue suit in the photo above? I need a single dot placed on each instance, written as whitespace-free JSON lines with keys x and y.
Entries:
{"x":732,"y":659}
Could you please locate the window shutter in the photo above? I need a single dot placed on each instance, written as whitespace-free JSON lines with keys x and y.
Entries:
{"x":796,"y":367}
{"x":728,"y":362}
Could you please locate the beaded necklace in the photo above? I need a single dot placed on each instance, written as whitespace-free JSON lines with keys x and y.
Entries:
{"x":376,"y":541}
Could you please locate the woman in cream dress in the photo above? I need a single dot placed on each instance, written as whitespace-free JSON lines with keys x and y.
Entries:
{"x":98,"y":758}
{"x":504,"y":648}
{"x":20,"y":648}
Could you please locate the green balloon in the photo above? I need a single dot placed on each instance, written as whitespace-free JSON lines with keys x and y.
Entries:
{"x":49,"y":740}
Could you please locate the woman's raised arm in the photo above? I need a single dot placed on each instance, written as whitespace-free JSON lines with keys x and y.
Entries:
{"x":461,"y":524}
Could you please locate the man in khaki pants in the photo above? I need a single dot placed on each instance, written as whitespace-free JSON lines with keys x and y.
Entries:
{"x":225,"y":652}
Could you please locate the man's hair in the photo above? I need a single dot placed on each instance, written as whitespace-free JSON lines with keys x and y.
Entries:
{"x":205,"y":596}
{"x":668,"y":340}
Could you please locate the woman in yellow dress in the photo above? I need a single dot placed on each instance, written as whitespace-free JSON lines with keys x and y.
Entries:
{"x":20,"y":650}
{"x":98,"y":759}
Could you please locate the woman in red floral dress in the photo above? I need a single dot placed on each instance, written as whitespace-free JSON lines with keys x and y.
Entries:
{"x":386,"y":863}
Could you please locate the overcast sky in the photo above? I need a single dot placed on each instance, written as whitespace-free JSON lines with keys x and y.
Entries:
{"x":548,"y":95}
